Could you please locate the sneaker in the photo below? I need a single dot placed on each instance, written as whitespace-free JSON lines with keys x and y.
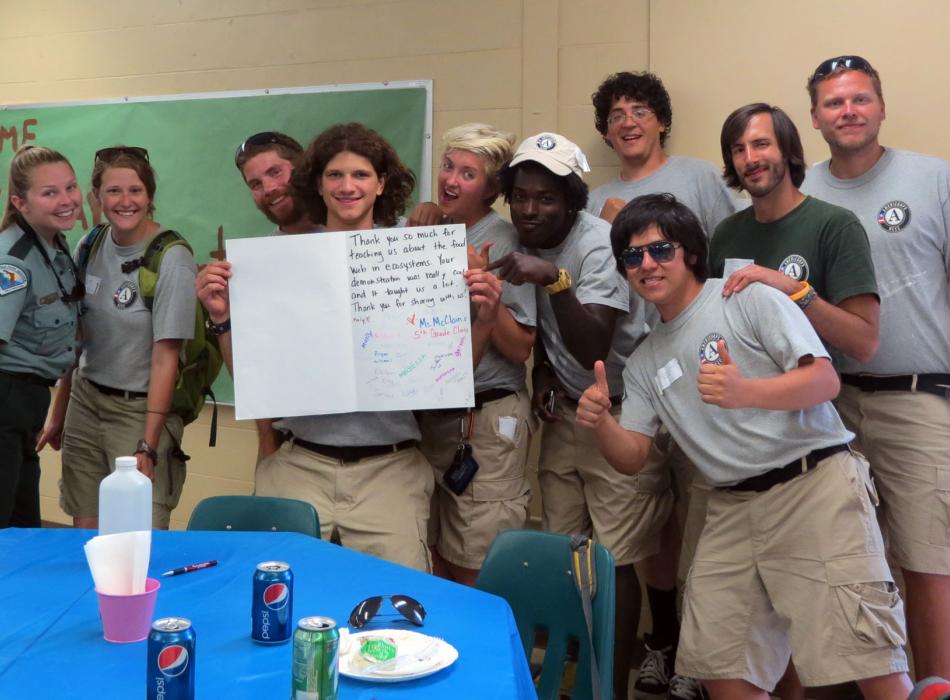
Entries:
{"x":653,"y":678}
{"x":684,"y":688}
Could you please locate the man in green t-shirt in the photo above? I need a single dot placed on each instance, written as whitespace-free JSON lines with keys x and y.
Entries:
{"x":815,"y":252}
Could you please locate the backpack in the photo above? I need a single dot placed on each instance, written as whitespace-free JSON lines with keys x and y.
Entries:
{"x":200,"y":358}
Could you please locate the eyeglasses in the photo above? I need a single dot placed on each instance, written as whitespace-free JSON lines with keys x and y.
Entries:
{"x":262,"y":139}
{"x":112,"y":152}
{"x":638,"y":114}
{"x":826,"y":68}
{"x":366,"y":610}
{"x":660,"y":251}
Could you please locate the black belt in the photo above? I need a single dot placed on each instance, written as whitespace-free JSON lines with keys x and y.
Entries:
{"x":110,"y":391}
{"x":352,"y":453}
{"x":481,"y":398}
{"x":938,"y":384}
{"x":29,"y":377}
{"x":779,"y":475}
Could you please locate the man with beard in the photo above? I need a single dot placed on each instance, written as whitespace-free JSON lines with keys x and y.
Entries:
{"x":897,"y":402}
{"x":266,"y":161}
{"x":815,"y":252}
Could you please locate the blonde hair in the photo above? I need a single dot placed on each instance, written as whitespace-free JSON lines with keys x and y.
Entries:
{"x":25,"y":160}
{"x":494,"y":146}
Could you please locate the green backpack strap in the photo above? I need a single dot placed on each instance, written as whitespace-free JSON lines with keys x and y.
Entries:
{"x":150,"y":263}
{"x":88,"y":245}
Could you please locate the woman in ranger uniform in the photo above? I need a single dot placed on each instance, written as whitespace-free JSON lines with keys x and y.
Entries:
{"x":39,"y":294}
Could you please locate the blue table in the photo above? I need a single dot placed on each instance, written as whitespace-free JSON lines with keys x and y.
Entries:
{"x":51,"y":643}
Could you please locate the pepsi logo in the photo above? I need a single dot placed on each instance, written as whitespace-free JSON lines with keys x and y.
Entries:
{"x":173,"y":660}
{"x":276,"y":596}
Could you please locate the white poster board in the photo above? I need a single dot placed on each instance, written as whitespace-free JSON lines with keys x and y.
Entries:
{"x":350,"y":321}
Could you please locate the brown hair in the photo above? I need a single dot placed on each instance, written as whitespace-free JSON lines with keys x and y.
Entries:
{"x":789,"y":142}
{"x":398,"y":180}
{"x":24,"y":161}
{"x":132,"y":161}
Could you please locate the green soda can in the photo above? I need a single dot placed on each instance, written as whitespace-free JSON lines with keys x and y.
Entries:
{"x":316,"y":675}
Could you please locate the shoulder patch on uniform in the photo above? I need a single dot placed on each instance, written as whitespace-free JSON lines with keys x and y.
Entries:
{"x":12,"y":279}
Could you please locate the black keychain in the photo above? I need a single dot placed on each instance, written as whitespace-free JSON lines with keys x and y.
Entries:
{"x":462,"y":470}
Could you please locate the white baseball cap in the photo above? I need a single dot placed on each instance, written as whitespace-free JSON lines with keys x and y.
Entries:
{"x":554,"y":152}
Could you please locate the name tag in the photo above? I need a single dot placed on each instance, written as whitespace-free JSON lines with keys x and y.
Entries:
{"x":667,"y":374}
{"x":92,"y":284}
{"x":734,"y":264}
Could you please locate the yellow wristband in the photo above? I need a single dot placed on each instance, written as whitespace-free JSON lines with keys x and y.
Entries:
{"x":800,"y":294}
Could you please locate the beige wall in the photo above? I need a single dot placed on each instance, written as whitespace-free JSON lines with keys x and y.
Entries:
{"x":526,"y":65}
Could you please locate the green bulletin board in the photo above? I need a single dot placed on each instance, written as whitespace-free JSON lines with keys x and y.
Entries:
{"x":191,"y":141}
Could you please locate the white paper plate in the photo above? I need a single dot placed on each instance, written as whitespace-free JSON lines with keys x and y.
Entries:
{"x":408,"y":643}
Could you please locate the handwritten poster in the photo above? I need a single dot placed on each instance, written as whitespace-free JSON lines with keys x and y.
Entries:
{"x":350,"y":321}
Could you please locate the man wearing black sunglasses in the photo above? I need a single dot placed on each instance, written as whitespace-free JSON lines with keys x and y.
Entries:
{"x":897,"y":402}
{"x":791,"y":560}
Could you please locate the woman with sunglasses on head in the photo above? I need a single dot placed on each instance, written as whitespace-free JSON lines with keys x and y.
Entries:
{"x":39,"y":294}
{"x":497,"y":428}
{"x":363,"y":471}
{"x":121,"y":393}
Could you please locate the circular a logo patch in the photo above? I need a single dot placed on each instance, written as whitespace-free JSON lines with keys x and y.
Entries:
{"x":125,"y":295}
{"x":709,"y":350}
{"x":546,"y":142}
{"x":894,"y":216}
{"x":795,"y":266}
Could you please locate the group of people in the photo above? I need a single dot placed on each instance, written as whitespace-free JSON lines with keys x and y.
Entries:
{"x":687,"y":345}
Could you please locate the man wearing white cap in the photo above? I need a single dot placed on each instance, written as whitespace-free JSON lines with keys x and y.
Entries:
{"x":580,"y":296}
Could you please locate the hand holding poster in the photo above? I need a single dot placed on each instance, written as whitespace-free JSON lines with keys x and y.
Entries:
{"x":350,"y":321}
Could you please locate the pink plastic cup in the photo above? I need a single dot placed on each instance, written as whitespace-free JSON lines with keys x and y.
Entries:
{"x":128,"y":618}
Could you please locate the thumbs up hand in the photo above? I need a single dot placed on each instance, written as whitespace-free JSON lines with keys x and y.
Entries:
{"x":594,"y":403}
{"x":722,"y":384}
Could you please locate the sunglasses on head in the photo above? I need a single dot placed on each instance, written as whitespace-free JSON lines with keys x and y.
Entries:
{"x":660,"y":251}
{"x":112,"y":152}
{"x":408,"y":607}
{"x":826,"y":68}
{"x":263,"y":139}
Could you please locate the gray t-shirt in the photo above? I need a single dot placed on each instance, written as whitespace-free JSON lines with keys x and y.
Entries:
{"x":587,"y":256}
{"x":117,"y":329}
{"x":494,"y":371}
{"x":766,"y":335}
{"x":351,"y":429}
{"x":697,"y":184}
{"x":903,"y":202}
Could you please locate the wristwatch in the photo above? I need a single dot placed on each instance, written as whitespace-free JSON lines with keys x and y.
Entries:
{"x":218,"y":328}
{"x":144,"y":448}
{"x":563,"y":282}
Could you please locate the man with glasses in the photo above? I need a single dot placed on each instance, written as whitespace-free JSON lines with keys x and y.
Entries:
{"x":790,"y":561}
{"x":266,"y":162}
{"x":634,"y":116}
{"x":897,"y":401}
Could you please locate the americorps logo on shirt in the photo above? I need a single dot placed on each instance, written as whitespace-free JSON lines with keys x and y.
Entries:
{"x":796,"y":267}
{"x":894,"y":216}
{"x":709,"y":350}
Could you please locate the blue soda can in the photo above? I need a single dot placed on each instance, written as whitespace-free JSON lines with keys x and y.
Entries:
{"x":170,"y":665}
{"x":272,"y":603}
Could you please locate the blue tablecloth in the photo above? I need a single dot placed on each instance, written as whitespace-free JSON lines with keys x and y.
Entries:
{"x":51,"y":643}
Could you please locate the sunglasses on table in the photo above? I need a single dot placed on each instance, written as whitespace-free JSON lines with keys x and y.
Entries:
{"x":410,"y":608}
{"x":263,"y":139}
{"x":826,"y":68}
{"x":660,"y":251}
{"x":112,"y":152}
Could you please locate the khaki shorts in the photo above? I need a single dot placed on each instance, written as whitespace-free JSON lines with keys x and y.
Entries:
{"x":582,"y":494}
{"x":906,"y":437}
{"x":463,"y":527}
{"x":796,"y":570}
{"x":100,"y":428}
{"x":378,"y":505}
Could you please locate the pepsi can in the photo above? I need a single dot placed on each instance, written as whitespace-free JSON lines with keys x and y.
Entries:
{"x":170,"y":665}
{"x":272,"y":603}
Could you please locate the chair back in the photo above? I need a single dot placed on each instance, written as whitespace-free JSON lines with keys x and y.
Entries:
{"x":532,"y":571}
{"x":255,"y":513}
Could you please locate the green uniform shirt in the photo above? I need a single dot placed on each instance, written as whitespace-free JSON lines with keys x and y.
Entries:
{"x":37,"y":329}
{"x":816,"y":242}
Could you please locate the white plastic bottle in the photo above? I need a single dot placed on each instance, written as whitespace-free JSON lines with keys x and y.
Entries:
{"x":125,"y":499}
